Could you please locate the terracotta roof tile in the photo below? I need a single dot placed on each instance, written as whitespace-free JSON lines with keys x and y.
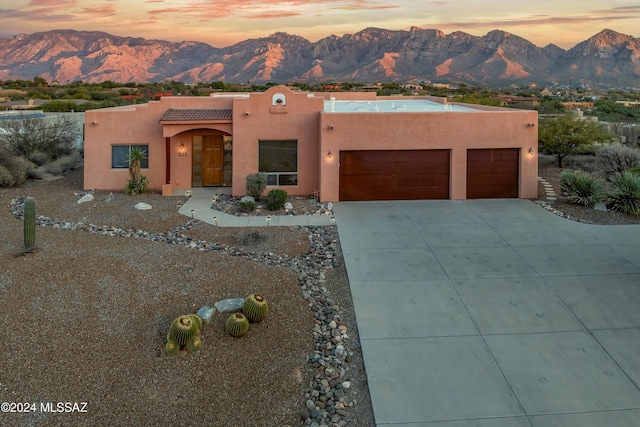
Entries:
{"x":180,"y":114}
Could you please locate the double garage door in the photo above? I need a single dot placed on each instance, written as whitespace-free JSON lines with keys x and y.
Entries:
{"x":425,"y":174}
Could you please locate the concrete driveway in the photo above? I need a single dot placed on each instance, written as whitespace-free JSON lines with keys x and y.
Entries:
{"x":494,"y":313}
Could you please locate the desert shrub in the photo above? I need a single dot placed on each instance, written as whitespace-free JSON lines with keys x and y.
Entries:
{"x":136,"y":187}
{"x":626,"y":193}
{"x":39,"y":158}
{"x":19,"y":167}
{"x":255,"y":184}
{"x":6,"y":178}
{"x":635,"y":170}
{"x":247,"y":206}
{"x":581,"y":188}
{"x":276,"y":199}
{"x":37,"y":173}
{"x":615,"y":159}
{"x":63,"y":164}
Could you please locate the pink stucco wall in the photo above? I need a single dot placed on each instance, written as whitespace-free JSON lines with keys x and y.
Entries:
{"x":303,"y":119}
{"x":457,"y":131}
{"x":257,"y":119}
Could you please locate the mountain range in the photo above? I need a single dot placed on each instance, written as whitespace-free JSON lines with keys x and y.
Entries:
{"x":371,"y":55}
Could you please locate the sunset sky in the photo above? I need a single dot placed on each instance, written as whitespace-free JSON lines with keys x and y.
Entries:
{"x":224,"y":22}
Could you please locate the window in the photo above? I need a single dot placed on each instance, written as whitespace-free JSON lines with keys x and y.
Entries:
{"x":279,"y":160}
{"x":120,"y":156}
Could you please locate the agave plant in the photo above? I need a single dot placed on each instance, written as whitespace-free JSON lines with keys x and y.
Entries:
{"x":626,"y":195}
{"x":581,"y":188}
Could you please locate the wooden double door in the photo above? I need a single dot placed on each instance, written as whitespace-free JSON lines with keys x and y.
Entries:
{"x":208,"y":161}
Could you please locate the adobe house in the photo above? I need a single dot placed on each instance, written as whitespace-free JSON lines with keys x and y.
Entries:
{"x":345,"y":145}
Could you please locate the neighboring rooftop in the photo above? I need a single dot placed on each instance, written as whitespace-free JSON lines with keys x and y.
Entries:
{"x":390,"y":106}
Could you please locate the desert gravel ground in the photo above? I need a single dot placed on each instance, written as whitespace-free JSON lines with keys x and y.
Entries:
{"x":85,"y":318}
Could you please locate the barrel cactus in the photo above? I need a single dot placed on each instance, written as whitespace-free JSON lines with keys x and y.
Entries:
{"x":172,"y":347}
{"x":255,"y":307}
{"x":29,"y":223}
{"x":237,"y":325}
{"x":184,"y":332}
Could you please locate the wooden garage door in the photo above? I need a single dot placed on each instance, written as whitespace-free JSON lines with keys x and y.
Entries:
{"x":492,"y":173}
{"x":394,"y":175}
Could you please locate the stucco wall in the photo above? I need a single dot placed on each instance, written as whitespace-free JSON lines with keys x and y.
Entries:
{"x":256,"y":119}
{"x":458,"y":131}
{"x":302,"y":119}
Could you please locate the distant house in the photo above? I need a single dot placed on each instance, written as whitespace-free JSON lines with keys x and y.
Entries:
{"x":629,"y":104}
{"x":21,"y":105}
{"x":411,"y":86}
{"x":519,"y":101}
{"x":582,"y":105}
{"x":344,"y":145}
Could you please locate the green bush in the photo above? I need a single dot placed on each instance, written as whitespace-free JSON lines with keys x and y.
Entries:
{"x":635,"y":170}
{"x":247,"y":206}
{"x":581,"y":188}
{"x":256,"y":184}
{"x":276,"y":199}
{"x":626,"y":194}
{"x":614,"y":159}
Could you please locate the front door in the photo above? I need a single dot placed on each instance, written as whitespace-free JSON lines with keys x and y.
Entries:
{"x":212,"y":161}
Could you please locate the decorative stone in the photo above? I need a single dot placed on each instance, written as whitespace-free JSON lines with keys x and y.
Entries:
{"x":288,"y":206}
{"x":141,"y":206}
{"x":86,"y":198}
{"x":600,"y":207}
{"x":248,"y":199}
{"x":227,"y":305}
{"x":206,"y":312}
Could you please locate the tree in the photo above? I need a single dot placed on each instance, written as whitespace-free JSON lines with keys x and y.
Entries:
{"x":51,"y":137}
{"x":564,"y":135}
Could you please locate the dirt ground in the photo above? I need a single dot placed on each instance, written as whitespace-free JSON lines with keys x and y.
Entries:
{"x":86,"y":316}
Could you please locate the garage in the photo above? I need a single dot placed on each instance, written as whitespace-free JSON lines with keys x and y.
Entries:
{"x":394,"y":175}
{"x":492,"y":173}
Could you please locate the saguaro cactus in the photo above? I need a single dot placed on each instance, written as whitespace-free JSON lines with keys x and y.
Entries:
{"x":29,"y":224}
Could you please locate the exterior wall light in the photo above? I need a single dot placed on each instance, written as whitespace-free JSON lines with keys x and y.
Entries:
{"x":531,"y":151}
{"x":215,"y":220}
{"x":329,"y":154}
{"x":530,"y":124}
{"x":330,"y":127}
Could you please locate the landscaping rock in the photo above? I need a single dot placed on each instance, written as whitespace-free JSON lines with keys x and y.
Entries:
{"x":600,"y":207}
{"x":206,"y":312}
{"x":141,"y":206}
{"x":86,"y":198}
{"x":227,"y":305}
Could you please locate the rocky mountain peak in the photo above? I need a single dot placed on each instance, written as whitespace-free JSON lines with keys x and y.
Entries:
{"x":372,"y":54}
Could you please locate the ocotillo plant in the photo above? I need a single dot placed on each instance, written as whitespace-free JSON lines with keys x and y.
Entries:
{"x":29,"y":224}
